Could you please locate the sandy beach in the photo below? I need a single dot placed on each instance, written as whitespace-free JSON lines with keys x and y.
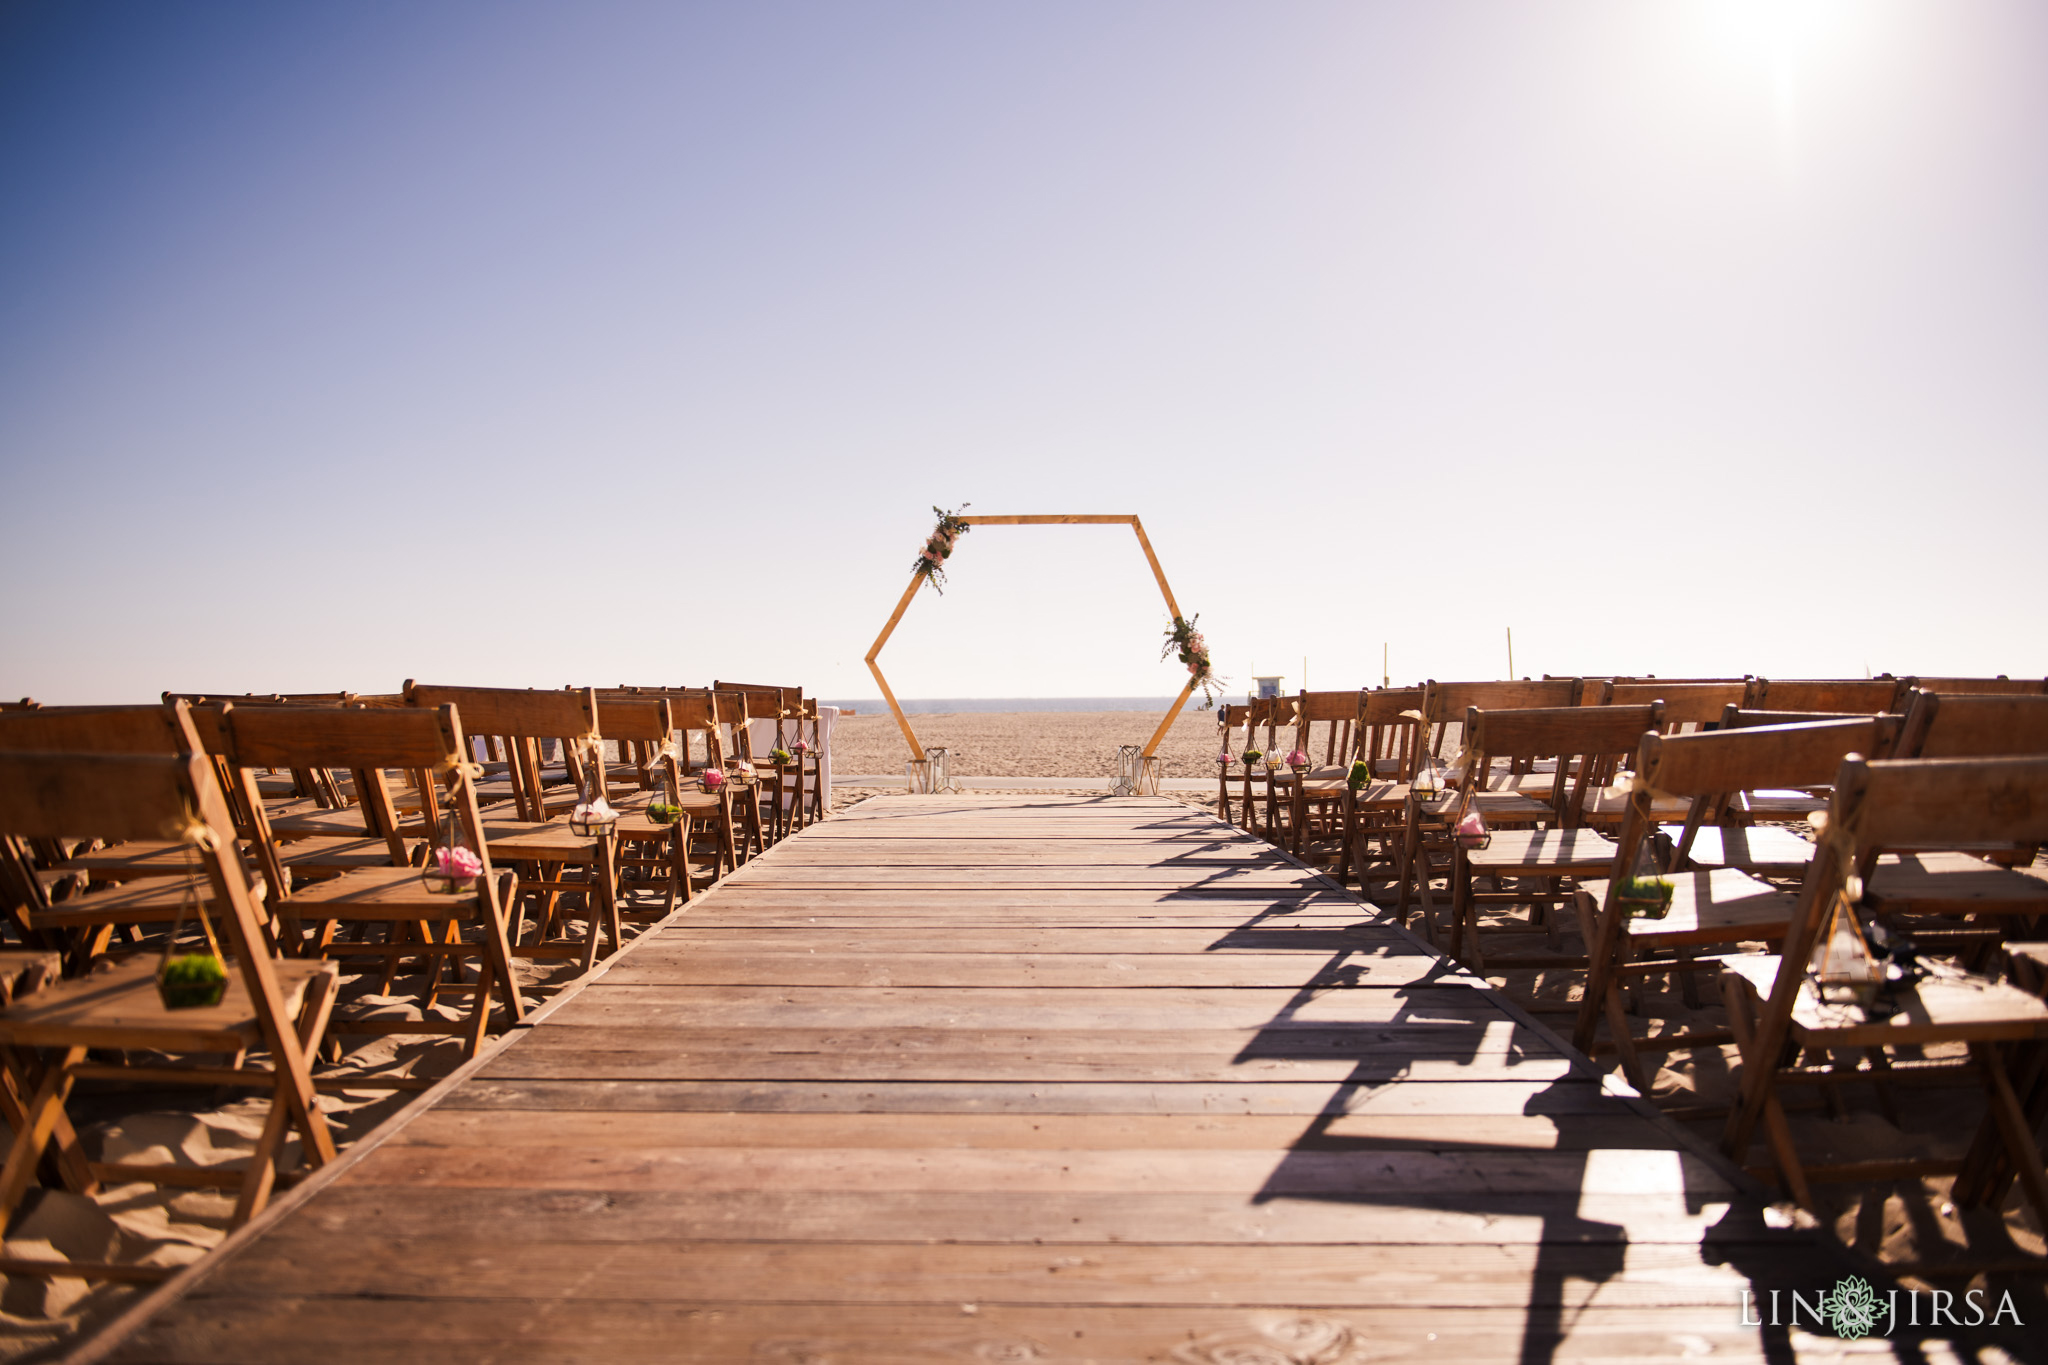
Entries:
{"x":1078,"y":744}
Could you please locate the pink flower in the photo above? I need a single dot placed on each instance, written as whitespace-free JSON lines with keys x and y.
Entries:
{"x":929,"y":556}
{"x":799,"y":747}
{"x":460,"y":863}
{"x":1225,"y":759}
{"x":713,"y":779}
{"x":1297,"y":759}
{"x":1473,"y":827}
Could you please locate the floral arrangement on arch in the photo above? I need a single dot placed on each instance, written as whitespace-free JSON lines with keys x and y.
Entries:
{"x":931,"y":560}
{"x":1186,"y":643}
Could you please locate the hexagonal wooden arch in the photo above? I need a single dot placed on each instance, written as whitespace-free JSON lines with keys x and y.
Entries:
{"x":917,"y":581}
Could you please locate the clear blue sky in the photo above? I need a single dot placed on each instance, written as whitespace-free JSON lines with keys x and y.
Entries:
{"x":600,"y":342}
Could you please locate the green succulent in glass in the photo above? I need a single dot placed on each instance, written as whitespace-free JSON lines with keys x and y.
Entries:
{"x":1360,"y":774}
{"x":1646,"y":897}
{"x":779,"y":756}
{"x":191,"y":981}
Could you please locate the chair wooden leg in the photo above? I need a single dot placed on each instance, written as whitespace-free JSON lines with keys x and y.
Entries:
{"x":1763,"y":1074}
{"x":39,"y":1122}
{"x":2020,"y":1147}
{"x":480,"y":1009}
{"x":260,"y":1178}
{"x":16,"y":1086}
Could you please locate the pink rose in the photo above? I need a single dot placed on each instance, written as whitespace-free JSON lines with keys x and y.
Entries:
{"x":1225,"y":759}
{"x":799,"y":747}
{"x":1297,"y":759}
{"x":460,"y":863}
{"x":713,"y":779}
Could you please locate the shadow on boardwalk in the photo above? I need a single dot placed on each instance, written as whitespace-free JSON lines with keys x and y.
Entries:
{"x":1586,"y":1170}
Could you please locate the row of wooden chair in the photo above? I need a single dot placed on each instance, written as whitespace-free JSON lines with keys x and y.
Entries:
{"x":310,"y":830}
{"x":1930,"y":794}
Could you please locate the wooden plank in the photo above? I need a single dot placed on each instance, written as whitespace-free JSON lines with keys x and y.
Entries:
{"x":1092,"y":1217}
{"x":561,"y":1329}
{"x":1619,"y":1128}
{"x":1450,"y":1009}
{"x":1044,"y":970}
{"x":682,"y":1271}
{"x":1461,"y":1094}
{"x":1385,"y":1173}
{"x":692,"y":937}
{"x":665,"y":1060}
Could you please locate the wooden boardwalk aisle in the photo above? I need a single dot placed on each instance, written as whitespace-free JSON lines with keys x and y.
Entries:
{"x":1013,"y":1079}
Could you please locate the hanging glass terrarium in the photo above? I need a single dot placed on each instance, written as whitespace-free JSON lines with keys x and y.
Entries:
{"x":1429,"y":782}
{"x":452,"y":864}
{"x":1645,"y":893}
{"x":1472,"y":830}
{"x":665,"y":802}
{"x":189,"y":981}
{"x":1298,"y":760}
{"x":593,"y":816}
{"x":1844,"y":969}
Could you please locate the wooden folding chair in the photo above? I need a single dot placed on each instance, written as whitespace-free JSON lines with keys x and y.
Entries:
{"x":277,"y":1006}
{"x":1267,"y":723}
{"x":1386,"y":738}
{"x":1326,"y":733}
{"x":75,"y":896}
{"x":1962,"y":899}
{"x":775,"y":786}
{"x":530,"y":830}
{"x":714,"y":844}
{"x":645,"y":728}
{"x":1713,"y":905}
{"x":1586,"y":743}
{"x":1424,"y":850}
{"x":414,"y":921}
{"x":1876,"y":805}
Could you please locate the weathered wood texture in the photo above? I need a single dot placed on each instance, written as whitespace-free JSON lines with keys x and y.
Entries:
{"x":1005,"y":1079}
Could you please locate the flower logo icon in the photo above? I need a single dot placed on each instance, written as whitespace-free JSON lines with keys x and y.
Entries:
{"x":1852,"y":1307}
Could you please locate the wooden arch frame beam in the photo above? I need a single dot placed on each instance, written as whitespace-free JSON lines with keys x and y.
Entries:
{"x":917,"y":581}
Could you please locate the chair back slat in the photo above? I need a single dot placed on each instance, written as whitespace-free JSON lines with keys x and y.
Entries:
{"x":1721,"y":761}
{"x":1562,"y":731}
{"x":1684,"y":703}
{"x":525,"y":712}
{"x":112,"y":796}
{"x":1926,"y":803}
{"x":323,"y":737}
{"x":145,"y":729}
{"x":1982,"y":686}
{"x":1844,"y":696}
{"x":1974,"y":726}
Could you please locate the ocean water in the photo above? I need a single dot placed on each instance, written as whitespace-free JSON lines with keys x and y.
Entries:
{"x":933,"y":706}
